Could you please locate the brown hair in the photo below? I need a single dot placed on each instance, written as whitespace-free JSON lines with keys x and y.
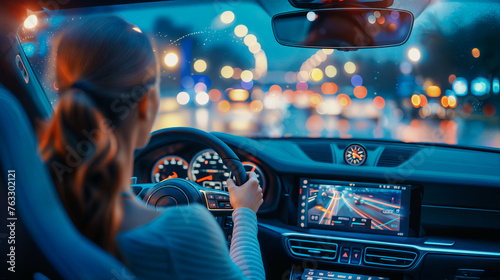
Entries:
{"x":103,"y":68}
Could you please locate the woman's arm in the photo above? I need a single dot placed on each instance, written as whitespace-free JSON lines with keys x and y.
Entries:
{"x":245,"y":250}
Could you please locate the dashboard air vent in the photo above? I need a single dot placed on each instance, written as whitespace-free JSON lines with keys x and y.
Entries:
{"x":320,"y":249}
{"x":389,"y":257}
{"x":392,"y":157}
{"x":318,"y":152}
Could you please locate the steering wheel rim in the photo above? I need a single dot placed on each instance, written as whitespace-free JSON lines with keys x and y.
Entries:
{"x":229,"y":158}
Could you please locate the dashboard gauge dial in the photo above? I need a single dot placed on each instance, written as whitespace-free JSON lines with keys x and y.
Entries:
{"x":208,"y":170}
{"x":355,"y":154}
{"x":169,"y":167}
{"x":250,"y":166}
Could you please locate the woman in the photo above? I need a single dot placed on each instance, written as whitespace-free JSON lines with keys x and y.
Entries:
{"x":108,"y":78}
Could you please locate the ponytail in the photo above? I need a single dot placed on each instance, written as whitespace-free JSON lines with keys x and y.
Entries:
{"x":80,"y":148}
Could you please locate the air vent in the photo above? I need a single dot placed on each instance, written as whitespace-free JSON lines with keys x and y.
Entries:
{"x":392,"y":157}
{"x":318,"y":152}
{"x":389,"y":257}
{"x":319,"y":249}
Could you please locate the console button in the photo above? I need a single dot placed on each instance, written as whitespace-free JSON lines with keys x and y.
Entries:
{"x":212,"y":204}
{"x":356,"y":256}
{"x":222,"y":204}
{"x":210,"y":196}
{"x":345,"y":254}
{"x":222,"y":197}
{"x":228,"y":205}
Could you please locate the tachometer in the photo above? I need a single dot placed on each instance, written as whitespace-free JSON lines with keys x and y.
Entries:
{"x":250,"y":166}
{"x":208,"y":170}
{"x":169,"y":167}
{"x":355,"y":154}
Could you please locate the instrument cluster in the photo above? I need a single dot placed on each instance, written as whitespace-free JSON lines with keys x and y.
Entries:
{"x":205,"y":168}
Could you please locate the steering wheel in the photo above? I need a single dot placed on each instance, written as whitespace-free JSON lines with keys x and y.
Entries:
{"x":172,"y":192}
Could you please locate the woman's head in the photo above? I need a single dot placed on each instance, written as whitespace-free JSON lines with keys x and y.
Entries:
{"x":107,"y":77}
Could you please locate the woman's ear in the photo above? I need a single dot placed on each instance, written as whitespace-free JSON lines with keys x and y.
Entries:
{"x":143,"y":107}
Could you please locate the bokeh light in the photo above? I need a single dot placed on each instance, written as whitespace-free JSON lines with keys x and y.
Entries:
{"x":423,"y":100}
{"x":444,"y":101}
{"x":315,"y":124}
{"x":495,"y":85}
{"x":240,"y":30}
{"x":433,"y":91}
{"x":327,"y":51}
{"x":415,"y":100}
{"x":475,"y":52}
{"x":344,"y":100}
{"x":480,"y":86}
{"x":227,"y":72}
{"x":329,"y":88}
{"x":451,"y":79}
{"x":200,"y":65}
{"x":414,"y":54}
{"x":256,"y":106}
{"x":238,"y":95}
{"x":350,"y":67}
{"x":224,"y":106}
{"x":30,"y":22}
{"x":330,"y":71}
{"x":227,"y":17}
{"x":379,"y":102}
{"x":171,"y":59}
{"x":315,"y":100}
{"x":214,"y":95}
{"x":460,"y":86}
{"x":360,"y":92}
{"x":356,"y":80}
{"x":452,"y":101}
{"x":275,"y":90}
{"x":137,"y":29}
{"x":183,"y":98}
{"x":250,"y":40}
{"x":202,"y":98}
{"x":246,"y":76}
{"x":316,"y":74}
{"x":489,"y":110}
{"x":311,"y":16}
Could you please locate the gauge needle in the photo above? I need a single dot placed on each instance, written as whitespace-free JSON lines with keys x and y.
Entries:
{"x":356,"y":156}
{"x":209,"y":177}
{"x":173,"y":176}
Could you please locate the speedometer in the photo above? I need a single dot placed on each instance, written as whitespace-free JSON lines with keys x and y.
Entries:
{"x":208,"y":170}
{"x":169,"y":167}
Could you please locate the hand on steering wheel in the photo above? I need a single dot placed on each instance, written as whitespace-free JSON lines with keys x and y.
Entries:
{"x":248,"y":195}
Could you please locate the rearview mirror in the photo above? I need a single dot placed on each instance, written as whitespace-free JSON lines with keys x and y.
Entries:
{"x":349,"y":28}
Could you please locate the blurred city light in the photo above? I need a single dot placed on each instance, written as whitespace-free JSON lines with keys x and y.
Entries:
{"x":238,"y":95}
{"x":460,"y":86}
{"x":329,"y":88}
{"x":247,"y":76}
{"x":480,"y":86}
{"x":214,"y":95}
{"x":183,"y":98}
{"x":224,"y":106}
{"x":452,"y":101}
{"x":255,"y":48}
{"x":227,"y":72}
{"x":250,"y":40}
{"x":200,"y":65}
{"x":444,"y":101}
{"x":360,"y":92}
{"x":240,"y":30}
{"x":356,"y":80}
{"x":331,"y":71}
{"x":344,"y":100}
{"x":256,"y":106}
{"x":372,"y":19}
{"x":327,"y":51}
{"x":423,"y":100}
{"x":452,"y":79}
{"x":171,"y":59}
{"x":415,"y":100}
{"x":350,"y":67}
{"x":227,"y":17}
{"x":200,"y":87}
{"x":433,"y":91}
{"x":311,"y":16}
{"x":414,"y":54}
{"x":379,"y":102}
{"x":202,"y":98}
{"x":475,"y":52}
{"x":316,"y":74}
{"x":31,"y":21}
{"x":495,"y":86}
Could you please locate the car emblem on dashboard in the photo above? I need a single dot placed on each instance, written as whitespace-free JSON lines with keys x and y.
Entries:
{"x":355,"y":154}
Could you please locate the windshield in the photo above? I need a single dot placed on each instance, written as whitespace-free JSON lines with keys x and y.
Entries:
{"x":222,"y":70}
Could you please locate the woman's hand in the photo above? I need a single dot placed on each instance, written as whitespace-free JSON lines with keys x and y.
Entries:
{"x":248,"y":195}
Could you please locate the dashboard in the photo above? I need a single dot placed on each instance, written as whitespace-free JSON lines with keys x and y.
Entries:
{"x":356,"y":208}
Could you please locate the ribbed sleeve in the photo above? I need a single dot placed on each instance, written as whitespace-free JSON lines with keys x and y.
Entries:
{"x":187,"y":243}
{"x":245,"y":250}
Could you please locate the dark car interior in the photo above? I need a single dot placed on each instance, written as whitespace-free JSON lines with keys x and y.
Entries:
{"x":334,"y":208}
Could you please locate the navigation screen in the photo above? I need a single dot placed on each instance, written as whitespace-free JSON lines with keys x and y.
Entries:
{"x":353,"y":206}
